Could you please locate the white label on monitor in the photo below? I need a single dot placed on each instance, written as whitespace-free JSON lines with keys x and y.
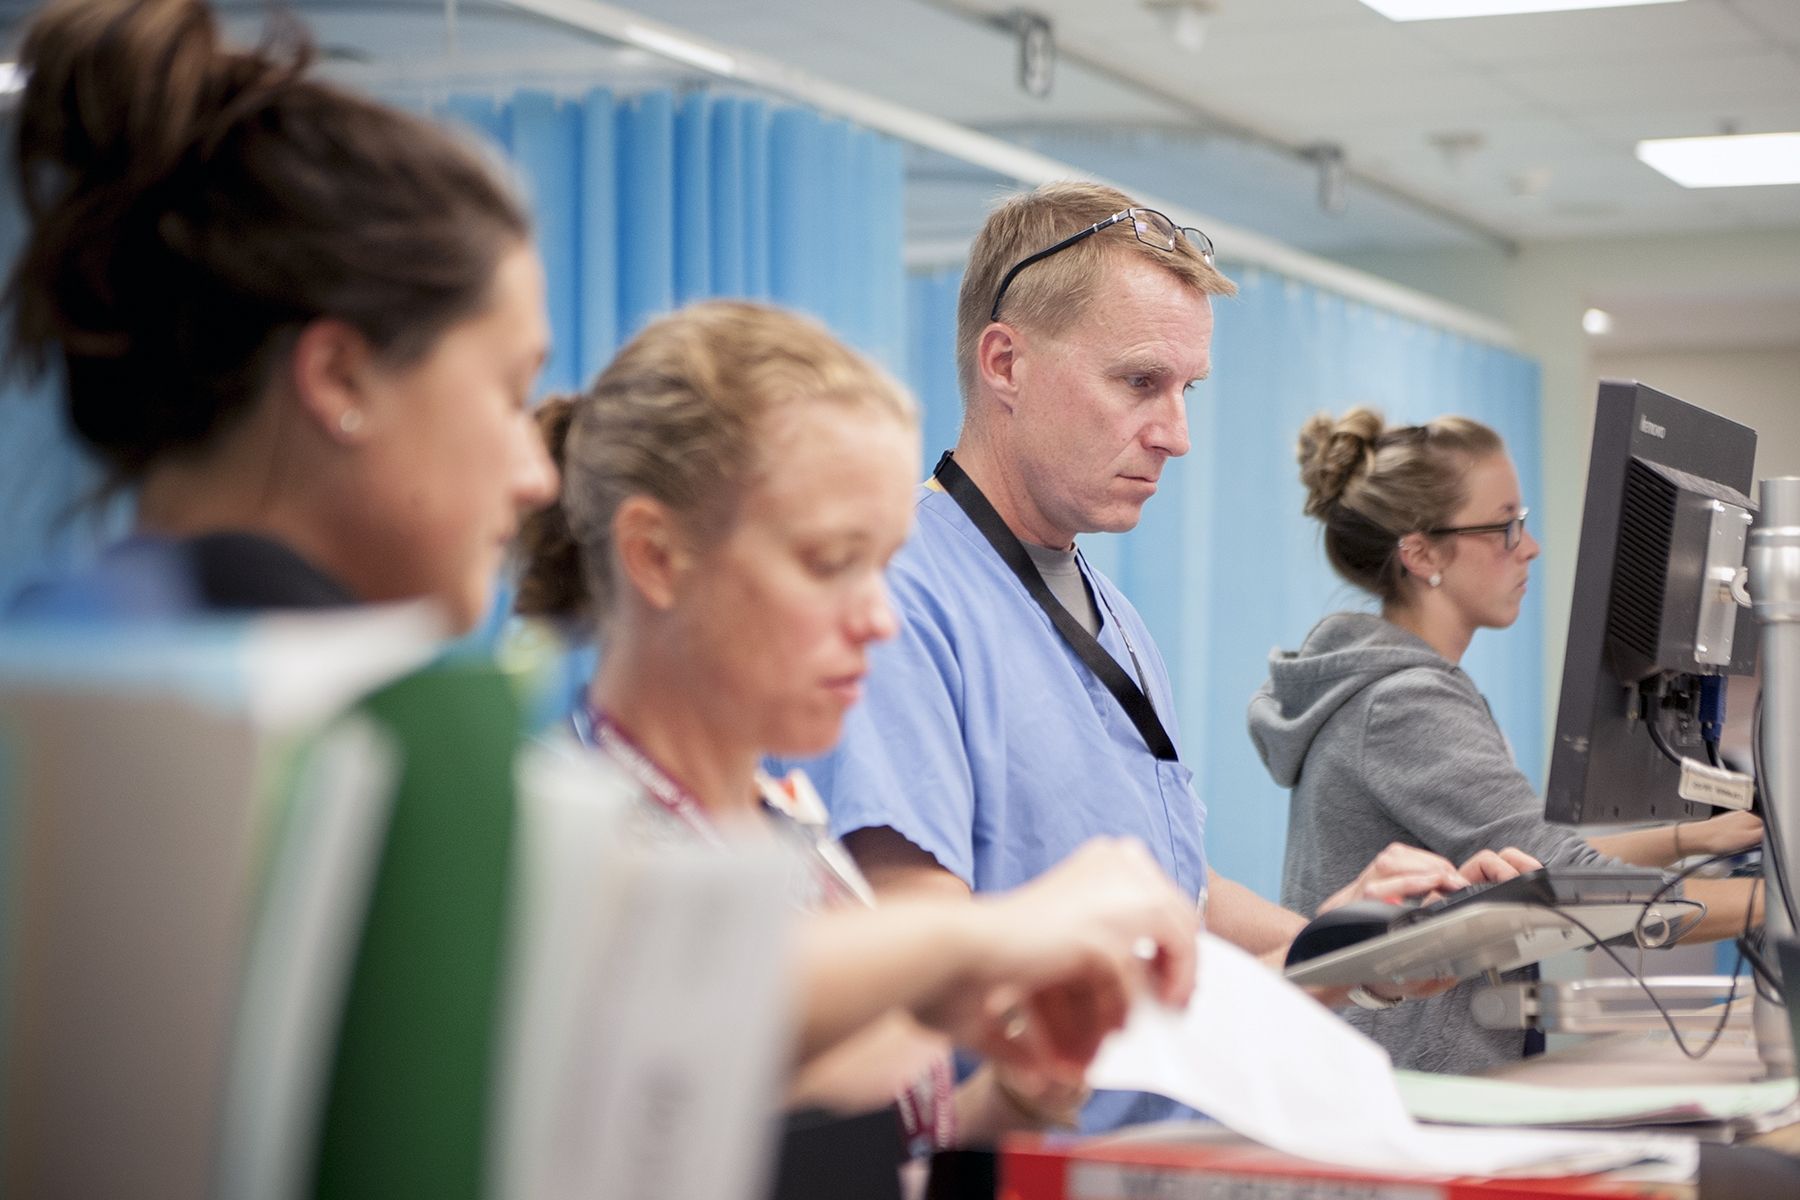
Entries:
{"x":1703,"y":784}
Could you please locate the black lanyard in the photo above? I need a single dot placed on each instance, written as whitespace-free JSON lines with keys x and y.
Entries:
{"x":1087,"y":648}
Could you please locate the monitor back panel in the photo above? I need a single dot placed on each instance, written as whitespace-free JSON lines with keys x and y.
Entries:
{"x":1603,"y":766}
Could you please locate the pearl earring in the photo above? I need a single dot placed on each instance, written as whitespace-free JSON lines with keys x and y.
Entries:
{"x":1435,"y":579}
{"x":350,"y":421}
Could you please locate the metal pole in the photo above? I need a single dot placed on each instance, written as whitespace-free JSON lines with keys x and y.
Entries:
{"x":1774,"y":567}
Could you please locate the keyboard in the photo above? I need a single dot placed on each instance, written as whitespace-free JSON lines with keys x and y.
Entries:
{"x":1553,"y":886}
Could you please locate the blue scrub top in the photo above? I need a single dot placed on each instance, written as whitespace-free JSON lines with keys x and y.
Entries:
{"x":983,"y":739}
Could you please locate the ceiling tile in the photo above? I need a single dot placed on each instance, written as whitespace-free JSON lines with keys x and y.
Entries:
{"x":1595,"y":35}
{"x":1557,"y":100}
{"x":1778,"y":19}
{"x":1695,"y":80}
{"x":1623,"y":127}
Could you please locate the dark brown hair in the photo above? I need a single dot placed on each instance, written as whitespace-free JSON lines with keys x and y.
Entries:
{"x":193,"y":206}
{"x":679,"y":416}
{"x":1370,"y":485}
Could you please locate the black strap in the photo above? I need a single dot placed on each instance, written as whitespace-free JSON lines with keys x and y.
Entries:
{"x":1087,"y":648}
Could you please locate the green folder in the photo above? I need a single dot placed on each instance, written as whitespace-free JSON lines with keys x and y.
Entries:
{"x":412,"y":1088}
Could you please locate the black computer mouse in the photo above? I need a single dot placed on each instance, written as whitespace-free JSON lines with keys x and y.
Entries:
{"x":1343,"y":926}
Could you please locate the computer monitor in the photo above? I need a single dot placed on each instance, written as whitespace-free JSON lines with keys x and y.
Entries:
{"x":1655,"y":625}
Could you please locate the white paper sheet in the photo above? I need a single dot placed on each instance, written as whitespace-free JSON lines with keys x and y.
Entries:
{"x":1266,"y":1060}
{"x":647,"y":1018}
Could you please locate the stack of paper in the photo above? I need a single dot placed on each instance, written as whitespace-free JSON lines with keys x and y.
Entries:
{"x":1264,"y":1059}
{"x":650,"y":1065}
{"x":1469,"y":1100}
{"x":156,"y":816}
{"x":272,"y":934}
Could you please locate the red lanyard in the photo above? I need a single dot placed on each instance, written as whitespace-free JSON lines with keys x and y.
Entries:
{"x":926,"y":1108}
{"x":606,"y":734}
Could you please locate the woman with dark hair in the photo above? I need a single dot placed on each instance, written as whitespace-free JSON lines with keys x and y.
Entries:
{"x":1380,"y":733}
{"x":303,"y":328}
{"x":300,"y":326}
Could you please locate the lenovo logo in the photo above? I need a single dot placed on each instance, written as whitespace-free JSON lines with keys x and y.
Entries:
{"x":1652,"y":428}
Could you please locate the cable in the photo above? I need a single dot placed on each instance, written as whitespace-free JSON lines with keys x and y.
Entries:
{"x":1771,"y":820}
{"x":1761,"y":975}
{"x":1769,"y":984}
{"x":1657,"y":740}
{"x":1677,"y":879}
{"x":1748,"y":951}
{"x":1718,"y":1031}
{"x":1650,"y":712}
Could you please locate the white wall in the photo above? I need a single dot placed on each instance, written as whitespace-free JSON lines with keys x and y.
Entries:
{"x":1541,"y":293}
{"x":1758,"y":387}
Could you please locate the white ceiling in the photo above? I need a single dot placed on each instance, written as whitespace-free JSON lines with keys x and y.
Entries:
{"x":1555,"y":102}
{"x":1547,"y":110}
{"x":1547,"y":107}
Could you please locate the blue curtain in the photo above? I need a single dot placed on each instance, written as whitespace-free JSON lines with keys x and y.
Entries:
{"x":49,"y":490}
{"x":641,"y":203}
{"x":1224,"y":566}
{"x":649,"y":202}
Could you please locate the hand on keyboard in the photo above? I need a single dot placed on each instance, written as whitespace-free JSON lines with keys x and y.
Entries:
{"x":1396,"y":873}
{"x":1402,"y":874}
{"x":1557,"y":886}
{"x":1494,"y":866}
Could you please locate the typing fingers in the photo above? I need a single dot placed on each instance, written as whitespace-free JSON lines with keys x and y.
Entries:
{"x":1492,"y":866}
{"x":1424,"y":885}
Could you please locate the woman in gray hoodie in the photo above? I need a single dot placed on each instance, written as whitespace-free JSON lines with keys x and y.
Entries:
{"x":1379,"y":732}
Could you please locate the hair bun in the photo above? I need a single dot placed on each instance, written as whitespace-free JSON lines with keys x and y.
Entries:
{"x":123,"y":100}
{"x":1333,"y":451}
{"x":552,"y":581}
{"x":120,"y":93}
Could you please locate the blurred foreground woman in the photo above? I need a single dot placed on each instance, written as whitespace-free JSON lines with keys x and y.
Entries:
{"x":733,"y":485}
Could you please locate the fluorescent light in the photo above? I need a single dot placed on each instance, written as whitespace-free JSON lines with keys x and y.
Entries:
{"x":1596,"y":320}
{"x":682,"y":50}
{"x":1434,"y":10}
{"x":12,"y":79}
{"x":1728,"y":160}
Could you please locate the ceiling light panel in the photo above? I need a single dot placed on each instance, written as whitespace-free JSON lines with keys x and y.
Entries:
{"x":1437,"y":10}
{"x":1732,"y":160}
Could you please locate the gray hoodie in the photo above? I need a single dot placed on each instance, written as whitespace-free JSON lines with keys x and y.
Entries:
{"x":1384,"y":740}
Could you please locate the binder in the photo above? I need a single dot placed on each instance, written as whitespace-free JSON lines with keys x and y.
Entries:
{"x":1030,"y":1167}
{"x":408,"y":1104}
{"x":264,"y":936}
{"x":157,"y":789}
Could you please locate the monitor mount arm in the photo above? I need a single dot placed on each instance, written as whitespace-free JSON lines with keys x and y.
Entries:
{"x":1774,"y":584}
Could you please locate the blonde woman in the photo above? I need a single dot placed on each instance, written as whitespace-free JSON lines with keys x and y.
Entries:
{"x":733,"y":485}
{"x":1377,"y":729}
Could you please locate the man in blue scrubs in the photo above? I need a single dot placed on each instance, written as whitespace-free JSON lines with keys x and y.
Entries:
{"x":996,"y":734}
